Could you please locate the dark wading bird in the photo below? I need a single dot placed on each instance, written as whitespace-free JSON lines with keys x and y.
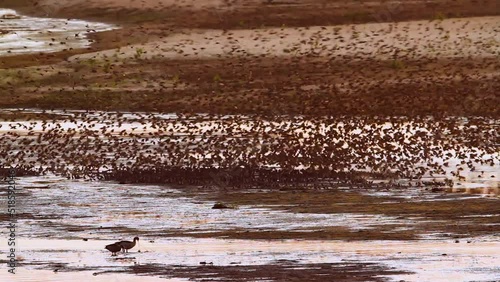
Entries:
{"x":126,"y":245}
{"x":114,"y":248}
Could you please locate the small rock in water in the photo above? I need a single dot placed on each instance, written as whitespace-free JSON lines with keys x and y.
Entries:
{"x":219,"y":205}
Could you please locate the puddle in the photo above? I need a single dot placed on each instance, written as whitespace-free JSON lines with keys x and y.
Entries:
{"x":24,"y":34}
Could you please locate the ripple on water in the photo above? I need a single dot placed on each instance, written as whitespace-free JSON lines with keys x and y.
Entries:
{"x":62,"y":205}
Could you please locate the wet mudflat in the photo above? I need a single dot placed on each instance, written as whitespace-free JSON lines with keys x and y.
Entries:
{"x":65,"y":224}
{"x":230,"y":260}
{"x":59,"y":208}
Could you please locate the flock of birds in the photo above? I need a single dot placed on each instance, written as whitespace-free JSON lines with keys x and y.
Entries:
{"x":250,"y":150}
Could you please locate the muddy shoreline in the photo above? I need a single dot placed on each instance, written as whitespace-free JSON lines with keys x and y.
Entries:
{"x":291,"y":67}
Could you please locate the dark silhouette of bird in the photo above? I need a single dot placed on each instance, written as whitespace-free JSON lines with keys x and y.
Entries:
{"x":127,"y":245}
{"x":113,"y":248}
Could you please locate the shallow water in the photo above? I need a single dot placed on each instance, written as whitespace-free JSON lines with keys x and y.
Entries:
{"x":32,"y":34}
{"x":83,"y":209}
{"x":426,"y":260}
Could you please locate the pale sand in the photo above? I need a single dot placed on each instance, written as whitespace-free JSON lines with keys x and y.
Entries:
{"x":474,"y":37}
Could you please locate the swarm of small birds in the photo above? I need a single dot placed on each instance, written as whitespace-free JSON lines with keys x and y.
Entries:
{"x":249,"y":151}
